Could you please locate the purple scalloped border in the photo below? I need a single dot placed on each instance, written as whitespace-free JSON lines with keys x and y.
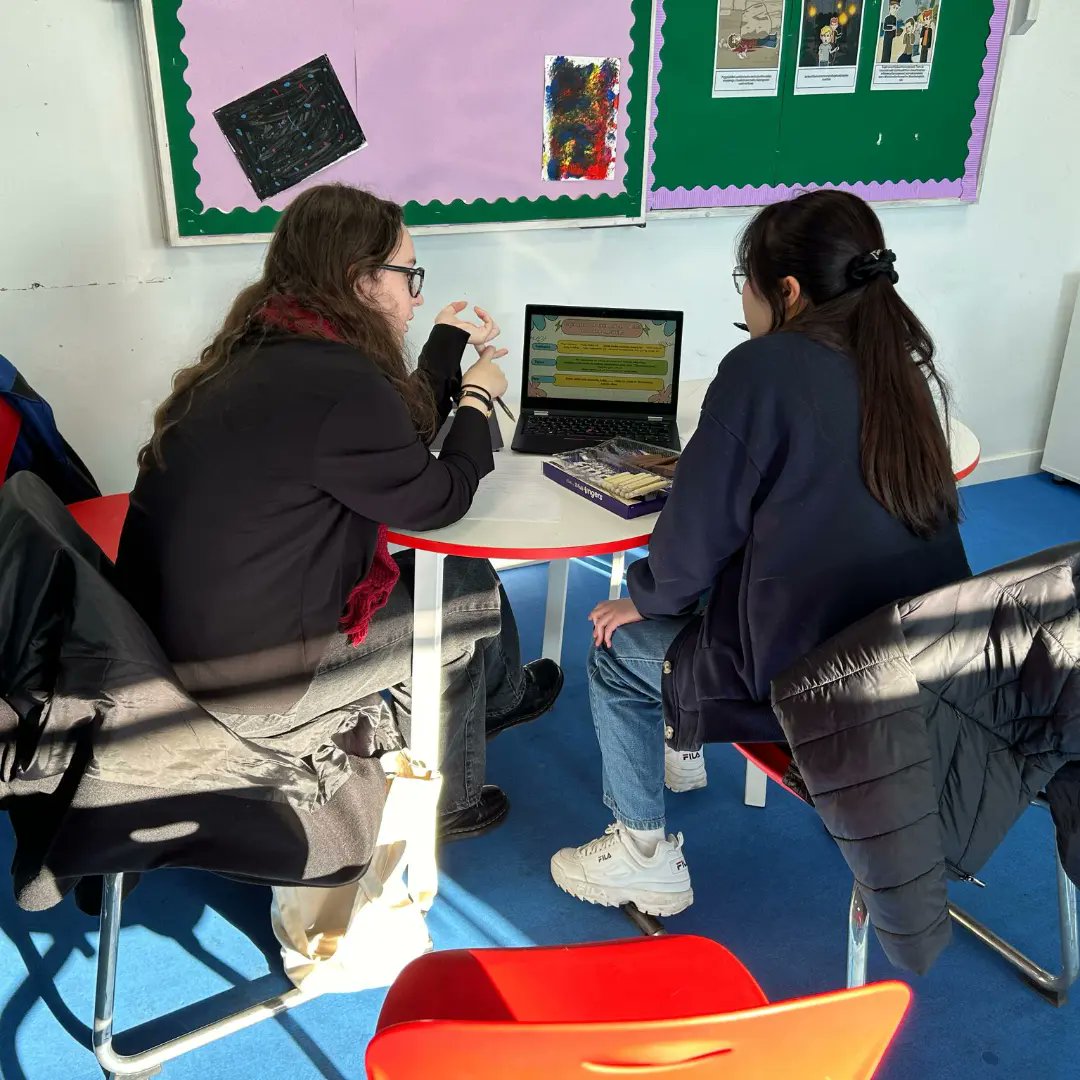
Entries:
{"x":965,"y":190}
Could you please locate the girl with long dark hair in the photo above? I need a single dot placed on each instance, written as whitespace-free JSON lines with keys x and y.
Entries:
{"x":817,"y":488}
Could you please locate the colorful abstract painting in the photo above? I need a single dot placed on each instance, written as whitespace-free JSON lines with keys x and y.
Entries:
{"x":581,"y":117}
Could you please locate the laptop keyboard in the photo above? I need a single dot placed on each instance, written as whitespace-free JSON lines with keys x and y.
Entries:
{"x":599,"y":428}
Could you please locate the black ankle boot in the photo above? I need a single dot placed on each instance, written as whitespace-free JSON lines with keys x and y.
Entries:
{"x":543,"y":683}
{"x":489,"y":811}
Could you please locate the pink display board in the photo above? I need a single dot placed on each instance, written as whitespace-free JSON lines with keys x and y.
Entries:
{"x":450,"y":93}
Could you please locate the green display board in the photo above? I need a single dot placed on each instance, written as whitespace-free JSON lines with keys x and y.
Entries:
{"x":450,"y":98}
{"x":884,"y":144}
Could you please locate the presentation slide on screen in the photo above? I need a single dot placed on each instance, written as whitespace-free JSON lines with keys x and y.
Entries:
{"x":601,"y":359}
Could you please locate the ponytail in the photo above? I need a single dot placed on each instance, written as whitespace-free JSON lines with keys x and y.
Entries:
{"x":831,"y":242}
{"x":905,"y":457}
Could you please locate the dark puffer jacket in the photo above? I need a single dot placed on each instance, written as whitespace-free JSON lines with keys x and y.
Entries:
{"x":924,"y":731}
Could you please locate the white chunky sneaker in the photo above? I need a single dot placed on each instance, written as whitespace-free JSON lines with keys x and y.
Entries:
{"x":612,"y":871}
{"x":684,"y":770}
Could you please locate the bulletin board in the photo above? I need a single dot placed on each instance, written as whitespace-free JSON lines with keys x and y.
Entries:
{"x":844,"y":105}
{"x":472,"y":113}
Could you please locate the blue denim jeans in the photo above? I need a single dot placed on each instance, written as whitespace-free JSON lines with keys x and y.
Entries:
{"x":627,"y":709}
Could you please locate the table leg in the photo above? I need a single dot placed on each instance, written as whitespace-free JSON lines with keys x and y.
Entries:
{"x":755,"y":786}
{"x":426,"y":709}
{"x":555,"y":614}
{"x":618,"y":570}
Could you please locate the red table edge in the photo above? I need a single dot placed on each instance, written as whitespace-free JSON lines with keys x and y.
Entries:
{"x":963,"y":474}
{"x":544,"y":554}
{"x":422,"y":543}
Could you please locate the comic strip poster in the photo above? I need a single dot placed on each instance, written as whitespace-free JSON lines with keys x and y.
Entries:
{"x":749,"y":43}
{"x":906,"y":44}
{"x":830,"y":37}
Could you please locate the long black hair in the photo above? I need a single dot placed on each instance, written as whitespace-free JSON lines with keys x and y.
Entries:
{"x":832,"y":243}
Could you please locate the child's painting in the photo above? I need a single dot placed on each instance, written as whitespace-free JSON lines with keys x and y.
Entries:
{"x":830,"y":38}
{"x":581,"y":117}
{"x":906,"y":43}
{"x":291,"y":128}
{"x":749,"y":43}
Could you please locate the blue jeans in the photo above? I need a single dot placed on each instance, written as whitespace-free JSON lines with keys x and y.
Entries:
{"x":627,"y":709}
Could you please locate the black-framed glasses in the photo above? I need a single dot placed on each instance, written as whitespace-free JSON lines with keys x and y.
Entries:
{"x":739,"y":277}
{"x":414,"y":273}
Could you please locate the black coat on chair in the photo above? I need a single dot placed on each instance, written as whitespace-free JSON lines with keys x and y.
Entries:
{"x":925,"y":730}
{"x":107,"y":765}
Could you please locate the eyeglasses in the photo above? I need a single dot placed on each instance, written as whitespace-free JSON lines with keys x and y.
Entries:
{"x":739,"y":277}
{"x":415,"y":275}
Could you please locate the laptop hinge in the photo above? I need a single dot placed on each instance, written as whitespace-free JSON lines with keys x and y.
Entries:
{"x":655,"y":419}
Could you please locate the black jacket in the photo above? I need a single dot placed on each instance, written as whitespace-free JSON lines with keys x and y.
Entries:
{"x":925,"y":730}
{"x":241,"y":551}
{"x":769,"y":511}
{"x":107,"y":765}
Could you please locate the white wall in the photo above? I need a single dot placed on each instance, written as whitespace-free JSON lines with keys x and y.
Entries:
{"x":98,"y":312}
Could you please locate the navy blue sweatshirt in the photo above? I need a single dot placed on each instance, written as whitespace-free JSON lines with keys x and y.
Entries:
{"x":769,"y":510}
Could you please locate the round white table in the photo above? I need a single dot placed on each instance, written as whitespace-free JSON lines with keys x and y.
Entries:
{"x":518,"y":513}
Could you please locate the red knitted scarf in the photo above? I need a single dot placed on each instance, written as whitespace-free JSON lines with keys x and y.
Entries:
{"x":373,"y":590}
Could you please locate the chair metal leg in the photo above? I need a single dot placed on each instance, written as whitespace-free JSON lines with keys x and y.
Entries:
{"x":149,"y":1062}
{"x":1054,"y":987}
{"x":649,"y":925}
{"x":857,"y":939}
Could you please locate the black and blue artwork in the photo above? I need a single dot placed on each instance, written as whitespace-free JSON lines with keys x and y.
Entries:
{"x":290,"y":128}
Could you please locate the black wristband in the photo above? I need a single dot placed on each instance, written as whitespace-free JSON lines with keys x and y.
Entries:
{"x":488,"y":403}
{"x":477,"y":390}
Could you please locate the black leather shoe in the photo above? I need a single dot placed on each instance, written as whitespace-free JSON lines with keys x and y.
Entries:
{"x":543,"y":684}
{"x":489,"y":811}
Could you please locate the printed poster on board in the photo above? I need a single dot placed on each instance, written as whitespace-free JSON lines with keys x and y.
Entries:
{"x":830,"y":40}
{"x":906,"y":44}
{"x":749,"y":44}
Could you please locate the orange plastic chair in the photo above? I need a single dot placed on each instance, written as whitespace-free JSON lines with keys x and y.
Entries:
{"x":102,"y":519}
{"x":675,"y":1007}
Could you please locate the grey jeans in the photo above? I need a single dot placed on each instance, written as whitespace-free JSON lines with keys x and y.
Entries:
{"x":360,"y":699}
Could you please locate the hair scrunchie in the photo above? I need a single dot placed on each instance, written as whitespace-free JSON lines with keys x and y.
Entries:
{"x":864,"y":268}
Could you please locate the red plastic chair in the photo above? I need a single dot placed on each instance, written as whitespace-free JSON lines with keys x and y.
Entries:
{"x":675,"y":1007}
{"x":102,"y":520}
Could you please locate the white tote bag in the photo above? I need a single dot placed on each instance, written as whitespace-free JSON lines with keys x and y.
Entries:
{"x":359,"y":936}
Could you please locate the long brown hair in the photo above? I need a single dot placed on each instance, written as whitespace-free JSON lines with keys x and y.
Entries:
{"x":327,"y":241}
{"x":824,"y":240}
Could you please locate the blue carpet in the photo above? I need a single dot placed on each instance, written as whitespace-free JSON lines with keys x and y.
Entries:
{"x":769,"y":884}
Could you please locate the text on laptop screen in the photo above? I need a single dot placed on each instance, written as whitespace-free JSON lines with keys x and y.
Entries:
{"x":597,"y":359}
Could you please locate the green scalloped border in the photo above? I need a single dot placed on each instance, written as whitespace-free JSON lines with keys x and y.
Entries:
{"x":193,"y":220}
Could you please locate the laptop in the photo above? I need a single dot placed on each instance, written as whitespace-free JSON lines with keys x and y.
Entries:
{"x":591,"y":374}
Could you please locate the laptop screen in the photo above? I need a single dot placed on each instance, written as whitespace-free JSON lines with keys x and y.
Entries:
{"x":610,"y":358}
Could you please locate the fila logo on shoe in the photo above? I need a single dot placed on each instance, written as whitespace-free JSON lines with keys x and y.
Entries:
{"x":680,"y":864}
{"x":603,"y":858}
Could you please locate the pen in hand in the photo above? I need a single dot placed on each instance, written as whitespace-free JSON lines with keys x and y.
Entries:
{"x":498,"y":401}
